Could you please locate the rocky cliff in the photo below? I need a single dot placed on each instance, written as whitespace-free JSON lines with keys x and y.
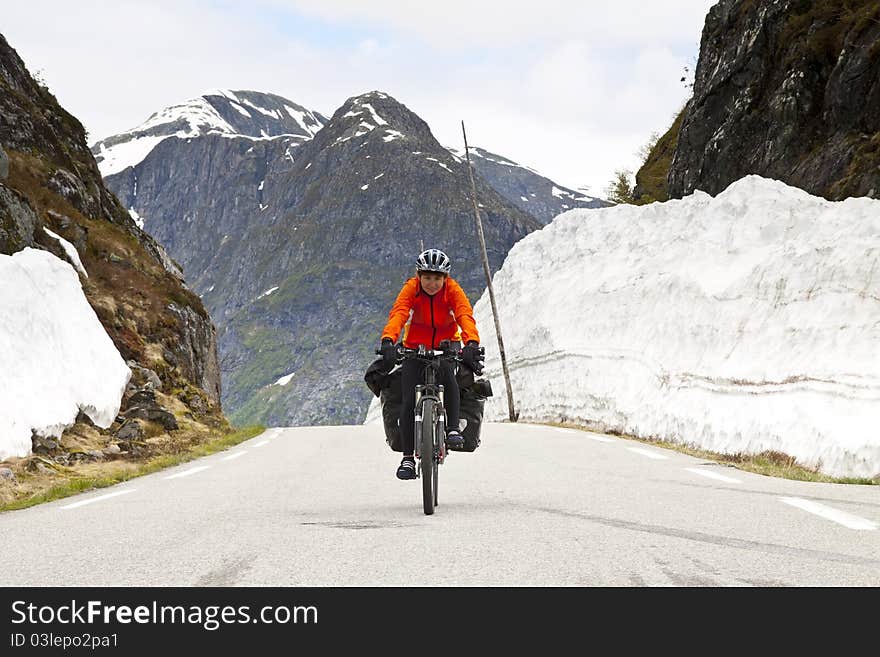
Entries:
{"x":298,"y":247}
{"x":49,"y":180}
{"x":788,"y":89}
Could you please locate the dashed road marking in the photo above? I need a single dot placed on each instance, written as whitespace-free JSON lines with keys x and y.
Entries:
{"x":601,"y":439}
{"x":234,"y":455}
{"x":829,"y":513}
{"x":648,"y":453}
{"x":261,"y":443}
{"x":99,"y":498}
{"x":187,"y":473}
{"x":714,"y":475}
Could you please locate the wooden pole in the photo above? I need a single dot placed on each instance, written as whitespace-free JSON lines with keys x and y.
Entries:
{"x":513,"y":414}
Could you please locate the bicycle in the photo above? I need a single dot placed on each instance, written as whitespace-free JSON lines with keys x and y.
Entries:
{"x":430,"y":418}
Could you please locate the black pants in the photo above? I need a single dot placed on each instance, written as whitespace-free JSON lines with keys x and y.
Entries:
{"x":413,"y":373}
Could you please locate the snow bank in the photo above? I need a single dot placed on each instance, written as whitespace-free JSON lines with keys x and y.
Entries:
{"x":55,"y":357}
{"x":741,"y":323}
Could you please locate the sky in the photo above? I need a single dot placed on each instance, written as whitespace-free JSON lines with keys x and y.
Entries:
{"x":571,"y":88}
{"x":757,"y":333}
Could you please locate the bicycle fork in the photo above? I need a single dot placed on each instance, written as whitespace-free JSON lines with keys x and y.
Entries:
{"x":440,"y":419}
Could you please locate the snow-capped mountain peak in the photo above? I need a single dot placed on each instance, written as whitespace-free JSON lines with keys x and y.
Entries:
{"x":223,"y":112}
{"x":197,"y":115}
{"x":376,"y":113}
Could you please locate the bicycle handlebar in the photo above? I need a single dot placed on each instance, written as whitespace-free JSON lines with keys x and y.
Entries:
{"x":432,"y":354}
{"x":429,"y":353}
{"x":404,"y":352}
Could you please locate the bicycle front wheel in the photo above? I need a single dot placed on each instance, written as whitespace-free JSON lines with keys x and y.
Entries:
{"x":438,"y":438}
{"x":426,"y":456}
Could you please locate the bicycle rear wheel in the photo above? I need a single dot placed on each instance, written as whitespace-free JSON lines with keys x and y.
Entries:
{"x":426,"y":456}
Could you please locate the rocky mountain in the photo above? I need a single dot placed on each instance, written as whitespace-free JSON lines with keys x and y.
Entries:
{"x":527,"y":189}
{"x":298,"y":247}
{"x":49,"y":181}
{"x":787,"y":90}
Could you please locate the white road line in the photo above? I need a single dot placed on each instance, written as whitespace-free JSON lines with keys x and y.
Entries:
{"x":601,"y":439}
{"x":648,"y":453}
{"x":713,"y":475}
{"x":261,"y":443}
{"x":234,"y":455}
{"x":99,"y":498}
{"x":840,"y":517}
{"x":187,"y":473}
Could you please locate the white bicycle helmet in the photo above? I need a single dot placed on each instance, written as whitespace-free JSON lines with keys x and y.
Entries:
{"x":433,"y":260}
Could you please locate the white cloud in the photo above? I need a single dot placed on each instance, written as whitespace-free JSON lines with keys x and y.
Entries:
{"x":544,"y":85}
{"x":501,"y":23}
{"x":369,"y":48}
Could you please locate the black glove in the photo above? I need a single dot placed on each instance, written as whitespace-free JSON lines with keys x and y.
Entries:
{"x":472,"y":357}
{"x":389,"y":352}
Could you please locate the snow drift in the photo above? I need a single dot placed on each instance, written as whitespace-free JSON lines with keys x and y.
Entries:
{"x":741,"y":323}
{"x":55,"y":356}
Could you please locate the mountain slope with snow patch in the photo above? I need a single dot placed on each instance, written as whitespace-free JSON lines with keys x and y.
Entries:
{"x":526,"y":188}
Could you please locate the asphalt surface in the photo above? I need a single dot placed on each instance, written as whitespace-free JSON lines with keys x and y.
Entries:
{"x":533,"y":506}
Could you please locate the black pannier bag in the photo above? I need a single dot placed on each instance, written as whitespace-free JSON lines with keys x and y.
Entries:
{"x":473,"y":397}
{"x":386,"y":386}
{"x":391,"y":397}
{"x":473,"y":394}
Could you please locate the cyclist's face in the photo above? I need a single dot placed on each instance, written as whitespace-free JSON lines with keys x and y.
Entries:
{"x":432,"y":282}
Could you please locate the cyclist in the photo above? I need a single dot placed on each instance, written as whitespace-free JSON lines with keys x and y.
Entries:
{"x":430,"y":308}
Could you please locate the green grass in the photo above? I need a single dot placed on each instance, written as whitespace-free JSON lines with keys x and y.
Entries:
{"x":79,"y":484}
{"x":651,"y":177}
{"x":771,"y":464}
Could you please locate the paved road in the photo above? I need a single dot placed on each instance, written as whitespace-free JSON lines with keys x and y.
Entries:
{"x":533,"y":506}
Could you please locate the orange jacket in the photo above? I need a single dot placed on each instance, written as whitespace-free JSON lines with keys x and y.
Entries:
{"x":429,"y":320}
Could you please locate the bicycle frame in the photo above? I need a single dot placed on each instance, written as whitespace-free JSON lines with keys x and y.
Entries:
{"x":429,"y":394}
{"x":430,"y":391}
